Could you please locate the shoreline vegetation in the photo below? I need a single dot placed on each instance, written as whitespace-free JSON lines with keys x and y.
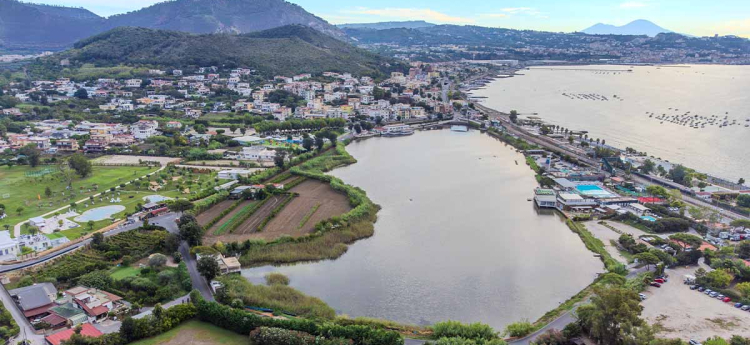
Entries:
{"x":331,"y":237}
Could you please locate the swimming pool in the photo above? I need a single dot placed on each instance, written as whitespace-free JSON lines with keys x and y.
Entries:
{"x":592,"y":190}
{"x":99,"y":213}
{"x":156,"y":198}
{"x":648,"y":218}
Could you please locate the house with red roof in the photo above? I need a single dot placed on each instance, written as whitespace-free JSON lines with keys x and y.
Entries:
{"x":96,"y":303}
{"x":87,"y":330}
{"x":650,"y":200}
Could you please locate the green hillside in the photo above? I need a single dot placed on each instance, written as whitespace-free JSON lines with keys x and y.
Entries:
{"x":286,"y":50}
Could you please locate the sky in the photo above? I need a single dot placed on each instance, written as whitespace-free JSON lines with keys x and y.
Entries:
{"x":693,"y":17}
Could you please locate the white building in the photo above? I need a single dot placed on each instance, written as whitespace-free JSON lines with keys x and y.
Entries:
{"x":9,"y":248}
{"x":234,"y":174}
{"x":257,"y":153}
{"x":144,"y":129}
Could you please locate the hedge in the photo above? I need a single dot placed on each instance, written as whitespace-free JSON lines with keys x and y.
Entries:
{"x":243,"y":322}
{"x":206,"y":203}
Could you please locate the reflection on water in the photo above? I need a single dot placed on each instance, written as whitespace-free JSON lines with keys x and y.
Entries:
{"x":456,"y":238}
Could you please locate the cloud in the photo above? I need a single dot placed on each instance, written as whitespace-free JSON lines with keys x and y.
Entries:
{"x":523,"y":10}
{"x":495,"y":15}
{"x":633,"y":4}
{"x":411,"y":14}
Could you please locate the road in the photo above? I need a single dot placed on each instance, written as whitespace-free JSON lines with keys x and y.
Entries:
{"x":158,"y":220}
{"x":198,"y":281}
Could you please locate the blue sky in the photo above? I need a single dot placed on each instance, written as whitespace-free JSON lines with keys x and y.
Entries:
{"x":695,"y":17}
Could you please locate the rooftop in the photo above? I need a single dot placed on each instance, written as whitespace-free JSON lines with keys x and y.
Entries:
{"x":87,"y":330}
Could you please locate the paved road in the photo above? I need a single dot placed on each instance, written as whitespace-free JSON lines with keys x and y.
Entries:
{"x":198,"y":281}
{"x":166,"y":219}
{"x":27,"y":332}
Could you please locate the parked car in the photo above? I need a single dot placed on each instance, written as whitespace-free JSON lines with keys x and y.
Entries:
{"x":659,"y":280}
{"x":642,"y":296}
{"x":707,"y":292}
{"x":700,"y":288}
{"x":726,"y":299}
{"x":655,"y":284}
{"x":694,"y":342}
{"x":720,"y":296}
{"x":738,"y":305}
{"x":693,"y":287}
{"x":713,"y":294}
{"x":745,"y":307}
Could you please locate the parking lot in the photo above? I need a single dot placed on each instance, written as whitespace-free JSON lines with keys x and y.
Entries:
{"x":679,"y":312}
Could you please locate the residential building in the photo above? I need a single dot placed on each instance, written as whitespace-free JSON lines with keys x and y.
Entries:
{"x":144,"y":129}
{"x":257,"y":153}
{"x":35,"y":300}
{"x":87,"y":330}
{"x":234,"y":174}
{"x":9,"y":248}
{"x":96,"y":303}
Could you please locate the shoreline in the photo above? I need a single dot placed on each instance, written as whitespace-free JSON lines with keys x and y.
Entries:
{"x":620,"y":150}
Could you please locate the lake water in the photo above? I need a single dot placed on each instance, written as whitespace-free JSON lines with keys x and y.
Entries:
{"x":99,"y":213}
{"x":456,"y":237}
{"x":701,"y":90}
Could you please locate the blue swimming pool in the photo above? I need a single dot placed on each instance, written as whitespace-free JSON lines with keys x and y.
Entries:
{"x":99,"y":213}
{"x":648,"y":218}
{"x":592,"y":190}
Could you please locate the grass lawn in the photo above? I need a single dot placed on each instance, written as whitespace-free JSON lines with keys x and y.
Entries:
{"x":122,"y":272}
{"x":196,"y":333}
{"x":18,"y":190}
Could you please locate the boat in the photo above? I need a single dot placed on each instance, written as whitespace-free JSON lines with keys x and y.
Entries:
{"x":459,"y":128}
{"x":398,"y":133}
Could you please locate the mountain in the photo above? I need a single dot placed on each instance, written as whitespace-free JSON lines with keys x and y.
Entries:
{"x":228,"y":16}
{"x":41,"y":27}
{"x":286,"y":50}
{"x":636,"y":27}
{"x":413,"y":24}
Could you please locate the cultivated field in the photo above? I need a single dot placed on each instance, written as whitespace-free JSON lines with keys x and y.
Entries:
{"x":317,"y":201}
{"x":247,"y":228}
{"x":213,"y":212}
{"x":679,"y":312}
{"x":229,"y":215}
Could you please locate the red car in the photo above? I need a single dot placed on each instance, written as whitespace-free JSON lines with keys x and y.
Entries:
{"x":659,"y":280}
{"x":655,"y":284}
{"x":726,"y":299}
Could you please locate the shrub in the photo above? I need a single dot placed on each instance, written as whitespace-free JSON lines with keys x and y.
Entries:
{"x":157,"y":260}
{"x":280,"y":336}
{"x":277,"y":279}
{"x":451,"y":329}
{"x":519,"y":329}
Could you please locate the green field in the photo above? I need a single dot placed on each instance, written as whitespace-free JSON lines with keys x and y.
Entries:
{"x":17,"y":189}
{"x":196,"y":333}
{"x":124,"y":272}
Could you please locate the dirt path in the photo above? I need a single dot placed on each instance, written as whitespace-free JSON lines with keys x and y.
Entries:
{"x":213,"y":212}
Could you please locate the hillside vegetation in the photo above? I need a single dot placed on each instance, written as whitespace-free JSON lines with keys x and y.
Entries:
{"x":286,"y":50}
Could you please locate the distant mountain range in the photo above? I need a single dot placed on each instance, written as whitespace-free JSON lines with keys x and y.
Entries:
{"x":32,"y":26}
{"x":636,"y":27}
{"x":286,"y":50}
{"x":413,"y":24}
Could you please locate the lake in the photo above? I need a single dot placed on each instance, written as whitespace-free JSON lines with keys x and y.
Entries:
{"x":456,"y":237}
{"x":702,"y":90}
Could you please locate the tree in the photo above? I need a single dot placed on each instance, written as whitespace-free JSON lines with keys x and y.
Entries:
{"x":191,"y":232}
{"x":319,"y":142}
{"x":308,"y":143}
{"x":158,"y":311}
{"x":647,"y":167}
{"x":208,"y":267}
{"x":679,"y":174}
{"x":127,"y":328}
{"x":741,"y":181}
{"x":513,"y":116}
{"x":97,"y":239}
{"x":80,"y":164}
{"x":180,"y":205}
{"x":279,"y":158}
{"x":743,"y":249}
{"x":47,"y":192}
{"x":613,"y":315}
{"x":743,"y":200}
{"x":97,"y":279}
{"x":81,"y":94}
{"x":743,"y":223}
{"x":687,"y":240}
{"x":648,"y":259}
{"x":657,"y":191}
{"x":719,"y":278}
{"x":743,"y":288}
{"x":157,"y":260}
{"x":32,"y":154}
{"x":19,"y":210}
